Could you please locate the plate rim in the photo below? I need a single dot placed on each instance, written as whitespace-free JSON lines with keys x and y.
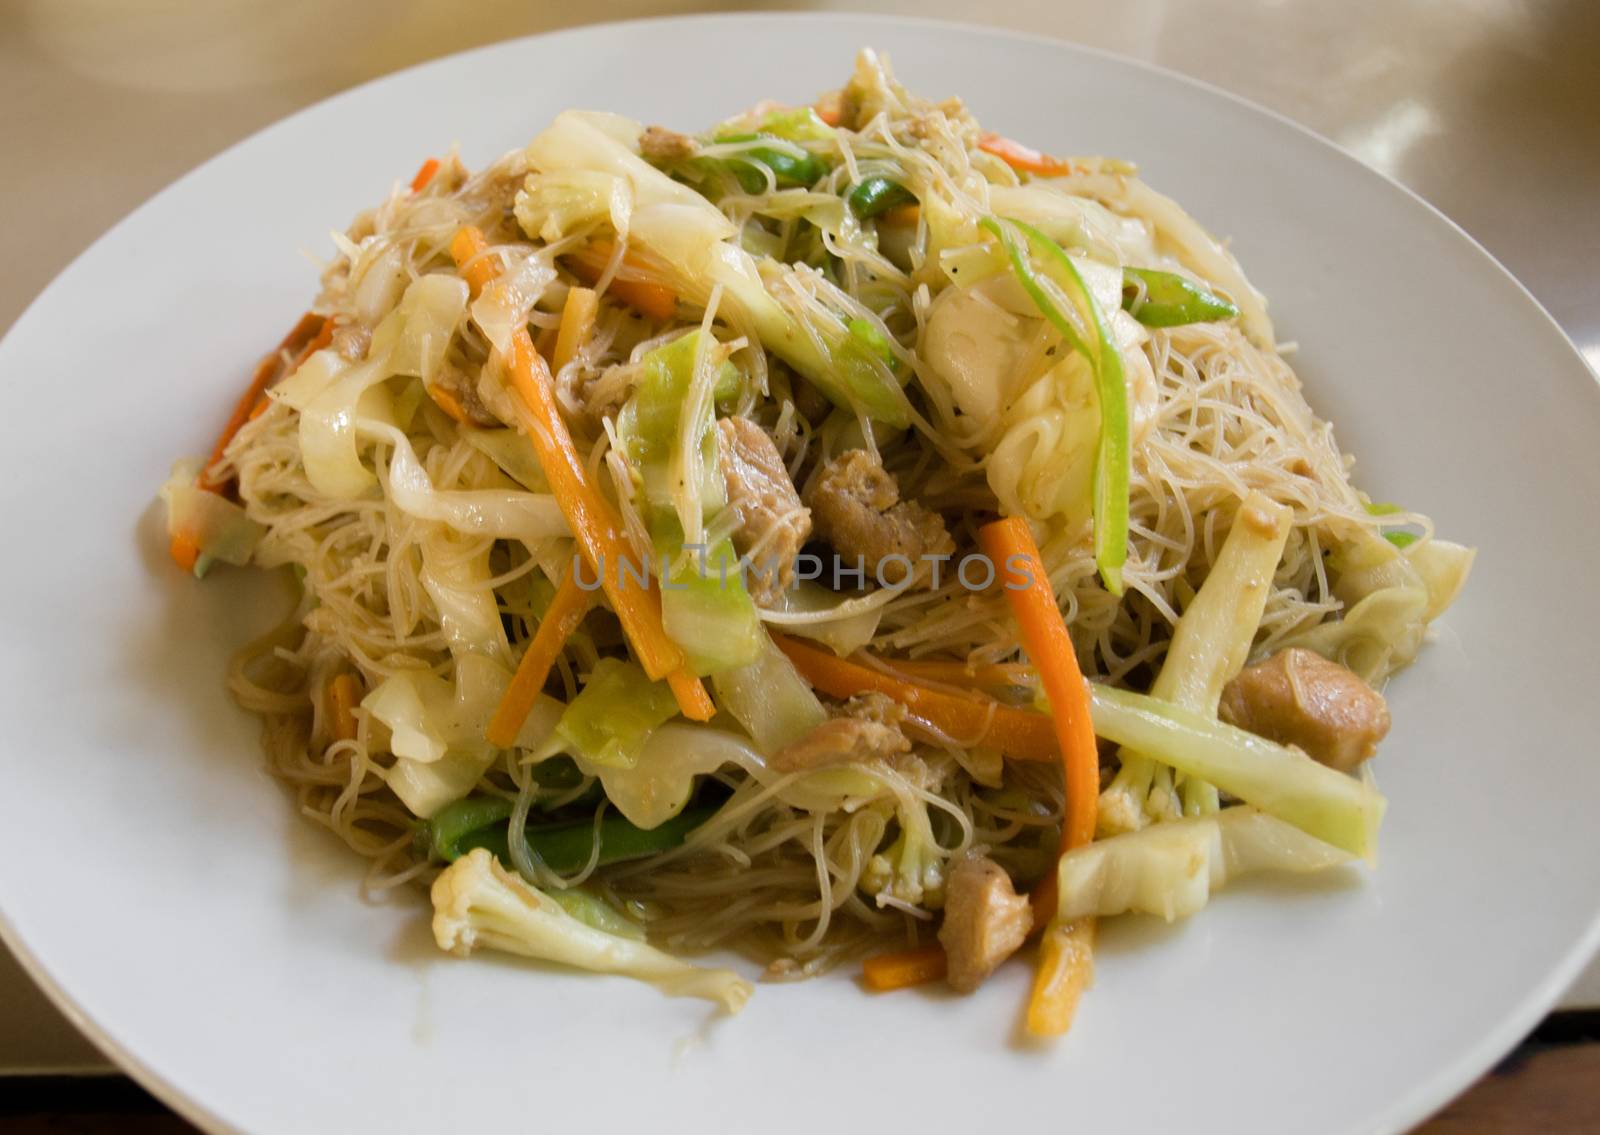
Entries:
{"x":1404,"y":1110}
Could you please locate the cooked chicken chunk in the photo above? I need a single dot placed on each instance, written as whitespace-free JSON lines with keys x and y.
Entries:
{"x":985,"y":921}
{"x":772,"y":521}
{"x":1297,"y":697}
{"x":868,"y":731}
{"x":857,"y":509}
{"x":660,"y":146}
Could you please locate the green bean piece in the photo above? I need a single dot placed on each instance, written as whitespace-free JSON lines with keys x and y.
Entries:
{"x":878,"y":195}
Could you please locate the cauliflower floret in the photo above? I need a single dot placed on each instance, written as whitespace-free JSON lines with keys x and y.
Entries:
{"x":478,"y":903}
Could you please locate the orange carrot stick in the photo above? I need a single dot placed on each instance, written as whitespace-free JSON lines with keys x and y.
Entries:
{"x":693,"y":700}
{"x":1064,"y":971}
{"x":267,"y":370}
{"x":424,"y":175}
{"x":184,"y":551}
{"x":1044,"y":635}
{"x":577,"y":324}
{"x":1065,"y":956}
{"x":904,"y":968}
{"x":343,"y":695}
{"x":566,"y":611}
{"x":1023,"y":158}
{"x":655,"y":300}
{"x":449,"y":403}
{"x":594,"y":523}
{"x":986,"y":676}
{"x":971,"y":718}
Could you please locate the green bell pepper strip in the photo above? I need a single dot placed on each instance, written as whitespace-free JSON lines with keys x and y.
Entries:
{"x":877,"y":195}
{"x":1170,"y":300}
{"x":788,"y":171}
{"x":1037,"y":261}
{"x":482,"y":821}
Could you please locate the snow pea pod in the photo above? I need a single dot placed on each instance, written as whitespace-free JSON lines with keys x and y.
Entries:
{"x":1170,"y":300}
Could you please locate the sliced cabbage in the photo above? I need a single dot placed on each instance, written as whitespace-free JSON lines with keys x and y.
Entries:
{"x":512,"y":452}
{"x":333,"y":395}
{"x":504,"y":514}
{"x":437,"y":729}
{"x":658,"y":786}
{"x":1170,"y":869}
{"x":457,"y":579}
{"x":560,"y":202}
{"x":614,"y":714}
{"x":217,"y":526}
{"x":844,"y":624}
{"x":1077,"y":222}
{"x":769,"y":698}
{"x":668,"y":433}
{"x":1392,"y":596}
{"x":503,"y":306}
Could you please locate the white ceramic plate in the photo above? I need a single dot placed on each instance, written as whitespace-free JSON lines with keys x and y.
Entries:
{"x":161,"y":888}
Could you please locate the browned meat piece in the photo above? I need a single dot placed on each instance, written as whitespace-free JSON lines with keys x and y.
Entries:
{"x":772,"y":521}
{"x":985,"y":921}
{"x":1297,"y":697}
{"x":857,"y":509}
{"x":662,"y":147}
{"x":869,"y":730}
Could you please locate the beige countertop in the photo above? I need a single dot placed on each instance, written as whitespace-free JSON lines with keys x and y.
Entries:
{"x":1490,"y":109}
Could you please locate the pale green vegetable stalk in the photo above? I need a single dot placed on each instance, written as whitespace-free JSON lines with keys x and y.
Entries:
{"x":1171,"y":869}
{"x":1209,"y":646}
{"x":1283,"y":782}
{"x":478,"y":904}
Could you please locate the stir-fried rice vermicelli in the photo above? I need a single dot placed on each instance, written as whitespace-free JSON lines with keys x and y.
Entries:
{"x":823,"y":338}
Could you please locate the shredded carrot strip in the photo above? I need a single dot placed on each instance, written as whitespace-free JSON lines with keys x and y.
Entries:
{"x":1024,"y":158}
{"x":1044,"y":636}
{"x":577,"y":324}
{"x":693,"y":700}
{"x":1064,"y":957}
{"x":478,"y":267}
{"x":901,"y":216}
{"x":267,"y":371}
{"x":972,"y":718}
{"x":903,"y":968}
{"x":593,"y":521}
{"x":449,"y":403}
{"x":830,"y":111}
{"x":424,"y":175}
{"x":566,"y":611}
{"x":1065,"y":969}
{"x":261,"y":407}
{"x":655,"y":300}
{"x":308,"y":331}
{"x":343,"y":695}
{"x":184,"y":551}
{"x":987,"y":676}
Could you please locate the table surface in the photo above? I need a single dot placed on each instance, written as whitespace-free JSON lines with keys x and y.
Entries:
{"x":1490,"y":110}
